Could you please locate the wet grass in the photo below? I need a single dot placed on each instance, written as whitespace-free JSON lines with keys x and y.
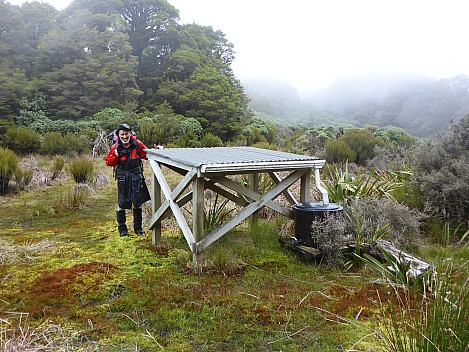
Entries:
{"x":68,"y":280}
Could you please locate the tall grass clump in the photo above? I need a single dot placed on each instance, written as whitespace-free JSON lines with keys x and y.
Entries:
{"x":216,"y":214}
{"x":8,"y":165}
{"x":57,"y":166}
{"x":23,"y":177}
{"x":82,"y":170}
{"x":435,"y":319}
{"x":74,"y":198}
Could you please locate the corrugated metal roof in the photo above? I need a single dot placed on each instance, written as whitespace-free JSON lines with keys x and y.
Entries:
{"x":225,"y":158}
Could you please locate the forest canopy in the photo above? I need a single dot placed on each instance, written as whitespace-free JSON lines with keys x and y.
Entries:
{"x":129,"y":55}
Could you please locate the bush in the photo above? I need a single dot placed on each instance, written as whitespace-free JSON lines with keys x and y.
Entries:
{"x":70,"y":143}
{"x":210,"y":140}
{"x":338,"y":152}
{"x":8,"y":165}
{"x":22,"y":140}
{"x":441,"y":170}
{"x":362,"y":142}
{"x":81,"y":170}
{"x":366,"y":220}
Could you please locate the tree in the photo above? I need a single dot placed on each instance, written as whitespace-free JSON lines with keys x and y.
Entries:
{"x":149,"y":21}
{"x":214,"y":102}
{"x":99,"y":71}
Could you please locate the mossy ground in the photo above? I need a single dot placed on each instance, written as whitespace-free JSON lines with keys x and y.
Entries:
{"x":67,"y":267}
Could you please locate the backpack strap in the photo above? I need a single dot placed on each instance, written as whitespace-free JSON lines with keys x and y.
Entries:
{"x":137,"y":148}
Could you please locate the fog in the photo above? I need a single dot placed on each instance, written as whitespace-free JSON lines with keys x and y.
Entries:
{"x":312,"y":43}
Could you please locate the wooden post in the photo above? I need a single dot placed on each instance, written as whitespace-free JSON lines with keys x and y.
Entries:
{"x":254,"y":187}
{"x":305,"y":187}
{"x":197,"y":212}
{"x":155,"y":205}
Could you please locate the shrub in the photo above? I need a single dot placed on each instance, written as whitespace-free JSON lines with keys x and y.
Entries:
{"x":8,"y":165}
{"x":53,"y":143}
{"x":362,"y":142}
{"x":365,"y":220}
{"x":58,"y":143}
{"x":441,"y":170}
{"x":338,"y":152}
{"x":22,"y":140}
{"x":81,"y":170}
{"x":150,"y":133}
{"x":210,"y":140}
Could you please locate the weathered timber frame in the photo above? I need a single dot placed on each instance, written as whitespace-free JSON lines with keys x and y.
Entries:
{"x":209,"y":168}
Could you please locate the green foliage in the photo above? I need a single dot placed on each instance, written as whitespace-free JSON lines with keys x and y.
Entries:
{"x":22,"y":140}
{"x":99,"y":62}
{"x":391,"y":268}
{"x":362,"y":142}
{"x":337,"y":151}
{"x":109,"y":118}
{"x":150,"y":133}
{"x":217,"y":214}
{"x":396,"y":136}
{"x":214,"y":101}
{"x":342,"y":185}
{"x":8,"y":165}
{"x":56,"y":143}
{"x":192,"y":126}
{"x":74,"y":198}
{"x":161,"y":128}
{"x":210,"y":140}
{"x":82,"y":170}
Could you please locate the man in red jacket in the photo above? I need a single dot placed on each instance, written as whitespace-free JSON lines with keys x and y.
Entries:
{"x":126,"y":155}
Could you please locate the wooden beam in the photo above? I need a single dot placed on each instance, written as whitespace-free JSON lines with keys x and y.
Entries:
{"x":253,"y":195}
{"x":163,"y":209}
{"x":223,"y":192}
{"x":246,"y":212}
{"x":186,"y":231}
{"x":287,"y":193}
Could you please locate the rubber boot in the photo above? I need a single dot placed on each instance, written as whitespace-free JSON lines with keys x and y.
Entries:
{"x":121,"y":226}
{"x":138,"y":222}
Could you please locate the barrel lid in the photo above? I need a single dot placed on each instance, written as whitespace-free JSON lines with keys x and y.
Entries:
{"x":308,"y":206}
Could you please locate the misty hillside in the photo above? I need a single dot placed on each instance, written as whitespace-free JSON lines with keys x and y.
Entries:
{"x":421,"y":105}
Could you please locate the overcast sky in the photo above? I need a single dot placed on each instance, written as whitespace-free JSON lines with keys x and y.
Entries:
{"x":312,"y":42}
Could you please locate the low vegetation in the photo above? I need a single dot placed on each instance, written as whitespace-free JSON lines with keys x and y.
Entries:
{"x":69,"y":282}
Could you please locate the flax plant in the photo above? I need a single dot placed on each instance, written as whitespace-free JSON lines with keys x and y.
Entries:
{"x":342,"y":185}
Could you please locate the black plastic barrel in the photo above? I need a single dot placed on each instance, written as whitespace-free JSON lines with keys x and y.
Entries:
{"x":305,"y":214}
